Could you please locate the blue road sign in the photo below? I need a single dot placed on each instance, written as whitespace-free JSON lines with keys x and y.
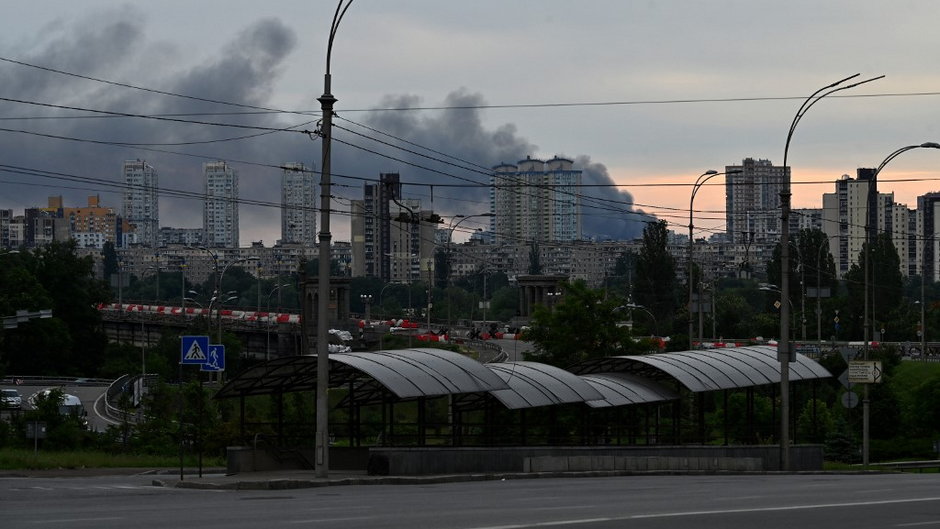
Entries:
{"x":194,"y":349}
{"x":216,"y":358}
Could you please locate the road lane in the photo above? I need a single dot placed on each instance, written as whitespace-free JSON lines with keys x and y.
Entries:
{"x":764,"y":501}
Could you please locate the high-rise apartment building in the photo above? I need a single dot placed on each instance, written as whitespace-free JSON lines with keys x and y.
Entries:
{"x":847,"y":216}
{"x":220,"y":214}
{"x":298,"y":205}
{"x":141,"y":202}
{"x":536,"y":200}
{"x":6,"y":221}
{"x":927,"y":245}
{"x":392,"y":238}
{"x":752,"y":201}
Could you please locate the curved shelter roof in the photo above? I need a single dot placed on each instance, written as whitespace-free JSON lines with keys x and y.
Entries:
{"x":621,"y":389}
{"x":408,"y":373}
{"x":532,"y":384}
{"x":710,"y":370}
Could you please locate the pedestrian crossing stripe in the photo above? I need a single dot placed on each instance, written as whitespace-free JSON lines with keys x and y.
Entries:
{"x":195,"y":353}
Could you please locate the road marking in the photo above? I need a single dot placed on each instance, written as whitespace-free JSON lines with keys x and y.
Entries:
{"x":347,"y":519}
{"x":72,"y":520}
{"x":704,"y":513}
{"x":561,"y":508}
{"x":915,"y":524}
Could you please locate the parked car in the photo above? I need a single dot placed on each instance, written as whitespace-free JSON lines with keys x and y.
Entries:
{"x":10,"y":398}
{"x":68,"y":404}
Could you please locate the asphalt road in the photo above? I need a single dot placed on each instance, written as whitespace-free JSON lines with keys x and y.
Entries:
{"x":746,"y":501}
{"x":88,"y":394}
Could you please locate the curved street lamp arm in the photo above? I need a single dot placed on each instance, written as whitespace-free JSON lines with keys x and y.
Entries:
{"x":813,"y":99}
{"x":337,"y":18}
{"x":895,"y":154}
{"x":803,"y":108}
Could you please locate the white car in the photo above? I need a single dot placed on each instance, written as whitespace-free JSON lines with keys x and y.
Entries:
{"x":10,"y":398}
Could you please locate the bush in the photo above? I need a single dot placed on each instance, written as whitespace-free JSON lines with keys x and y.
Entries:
{"x":901,"y":448}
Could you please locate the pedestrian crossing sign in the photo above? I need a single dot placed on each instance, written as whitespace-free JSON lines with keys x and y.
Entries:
{"x":215,"y":360}
{"x":194,"y":349}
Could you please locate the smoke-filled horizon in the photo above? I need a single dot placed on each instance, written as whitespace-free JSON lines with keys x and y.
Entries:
{"x":243,"y":70}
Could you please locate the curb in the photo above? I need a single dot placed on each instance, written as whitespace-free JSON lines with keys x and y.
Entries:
{"x":288,"y":483}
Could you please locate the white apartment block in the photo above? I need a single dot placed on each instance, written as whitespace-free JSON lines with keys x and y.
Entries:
{"x":220,"y":213}
{"x":298,"y":205}
{"x":536,"y":200}
{"x":847,"y":216}
{"x":141,"y":201}
{"x":752,"y":200}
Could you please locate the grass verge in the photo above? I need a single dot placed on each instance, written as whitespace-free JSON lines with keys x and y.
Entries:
{"x":18,"y":459}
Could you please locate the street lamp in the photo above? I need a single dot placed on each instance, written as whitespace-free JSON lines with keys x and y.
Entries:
{"x":381,"y":292}
{"x":784,"y":354}
{"x":156,"y":269}
{"x":267,"y":344}
{"x":367,"y":300}
{"x":634,"y":306}
{"x":450,"y":241}
{"x":699,"y":182}
{"x":868,"y":270}
{"x":322,"y":463}
{"x":823,"y":244}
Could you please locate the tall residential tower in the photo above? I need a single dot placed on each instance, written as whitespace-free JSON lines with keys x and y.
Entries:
{"x":536,"y":201}
{"x":220,"y":216}
{"x":141,"y":204}
{"x":752,"y":201}
{"x":298,"y":205}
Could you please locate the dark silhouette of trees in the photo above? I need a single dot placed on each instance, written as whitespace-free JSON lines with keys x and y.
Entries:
{"x":655,"y":284}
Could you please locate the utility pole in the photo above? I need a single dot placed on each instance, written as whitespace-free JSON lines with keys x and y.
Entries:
{"x":429,"y":296}
{"x":327,"y":101}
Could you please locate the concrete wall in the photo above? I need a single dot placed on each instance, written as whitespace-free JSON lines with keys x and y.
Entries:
{"x":247,"y":459}
{"x":444,"y":460}
{"x":450,"y":460}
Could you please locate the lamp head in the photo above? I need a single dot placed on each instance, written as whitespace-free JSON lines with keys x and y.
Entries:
{"x":930,"y":145}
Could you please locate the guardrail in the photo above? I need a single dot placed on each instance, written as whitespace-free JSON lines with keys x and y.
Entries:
{"x":920,"y":466}
{"x":29,"y":380}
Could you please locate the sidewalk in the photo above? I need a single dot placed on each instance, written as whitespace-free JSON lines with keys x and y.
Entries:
{"x":301,"y":479}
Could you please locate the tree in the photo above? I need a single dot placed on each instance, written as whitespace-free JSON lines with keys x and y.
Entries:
{"x":535,"y":263}
{"x":71,"y":342}
{"x":110,"y":260}
{"x":621,"y":282}
{"x":655,"y":286}
{"x":886,"y":285}
{"x":580,"y":326}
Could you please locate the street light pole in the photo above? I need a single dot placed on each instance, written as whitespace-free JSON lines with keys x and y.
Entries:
{"x":868,"y":270}
{"x":450,"y":241}
{"x":784,"y":353}
{"x":322,"y":463}
{"x":699,"y":182}
{"x":267,"y":344}
{"x":923,"y":300}
{"x":823,"y":244}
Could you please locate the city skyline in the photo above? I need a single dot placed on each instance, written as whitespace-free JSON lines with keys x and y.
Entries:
{"x":674,"y":88}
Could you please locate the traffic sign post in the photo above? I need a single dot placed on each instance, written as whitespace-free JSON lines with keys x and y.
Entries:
{"x":865,"y":371}
{"x":194,"y":349}
{"x":215,"y":360}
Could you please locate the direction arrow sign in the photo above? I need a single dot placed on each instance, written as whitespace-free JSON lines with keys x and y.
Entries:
{"x":865,"y":371}
{"x":216,"y":358}
{"x":194,"y":349}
